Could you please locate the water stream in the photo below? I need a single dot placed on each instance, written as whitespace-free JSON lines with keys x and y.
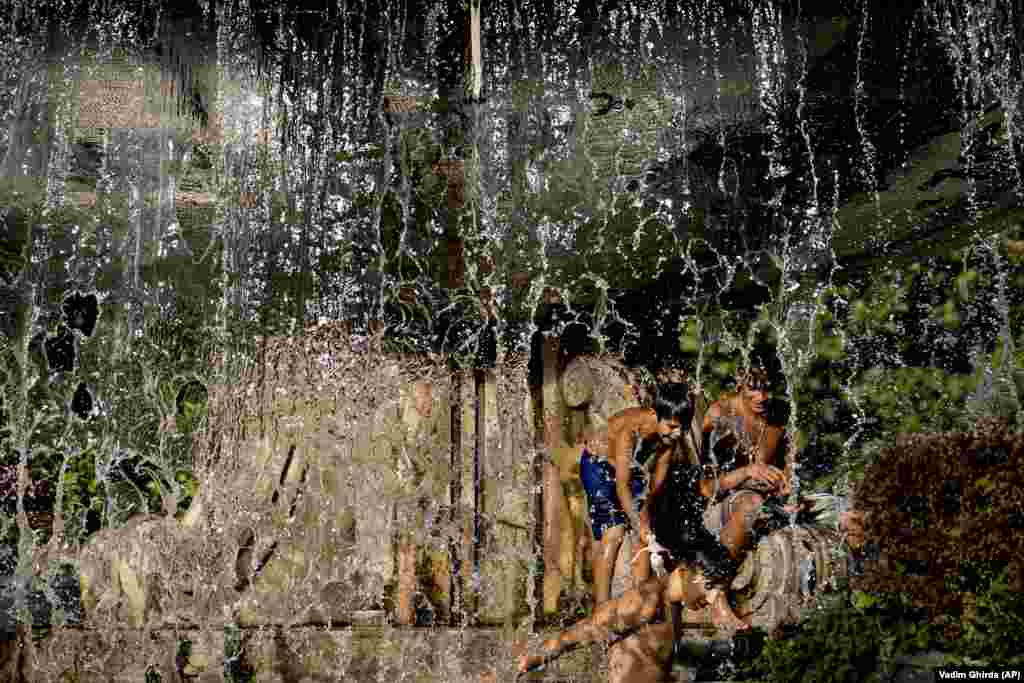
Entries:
{"x":755,"y":166}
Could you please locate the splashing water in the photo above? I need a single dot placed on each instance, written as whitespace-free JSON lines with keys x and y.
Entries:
{"x":326,"y":210}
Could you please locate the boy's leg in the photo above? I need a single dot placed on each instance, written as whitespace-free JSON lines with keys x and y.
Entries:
{"x":639,"y":564}
{"x":606,"y":565}
{"x":614,"y":617}
{"x":732,"y":519}
{"x":742,"y":513}
{"x":621,"y":577}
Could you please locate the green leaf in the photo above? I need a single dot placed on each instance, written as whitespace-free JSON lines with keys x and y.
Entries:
{"x":863,"y":601}
{"x":860,"y":311}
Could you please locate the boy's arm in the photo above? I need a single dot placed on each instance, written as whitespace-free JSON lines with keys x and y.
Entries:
{"x":730,"y":481}
{"x":658,"y":483}
{"x":621,"y":456}
{"x":712,"y":414}
{"x":780,"y":459}
{"x":660,"y":473}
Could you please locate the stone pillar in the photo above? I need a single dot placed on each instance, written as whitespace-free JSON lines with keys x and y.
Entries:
{"x":555,"y":506}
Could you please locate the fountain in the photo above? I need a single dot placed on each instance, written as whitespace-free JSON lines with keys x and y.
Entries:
{"x":391,"y":493}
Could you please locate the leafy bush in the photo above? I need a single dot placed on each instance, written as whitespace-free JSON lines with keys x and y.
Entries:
{"x":990,"y":634}
{"x":850,"y":636}
{"x":935,"y":504}
{"x":857,"y":636}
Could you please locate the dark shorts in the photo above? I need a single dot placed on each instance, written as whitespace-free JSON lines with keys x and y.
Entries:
{"x":598,"y":476}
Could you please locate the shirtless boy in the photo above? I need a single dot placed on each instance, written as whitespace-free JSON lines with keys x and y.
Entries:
{"x":749,"y":450}
{"x":617,"y":486}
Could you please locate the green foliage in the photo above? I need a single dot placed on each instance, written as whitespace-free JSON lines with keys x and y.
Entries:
{"x":868,"y":380}
{"x":991,"y":637}
{"x":914,"y":399}
{"x":81,"y":492}
{"x":133,"y":382}
{"x":171,"y":354}
{"x":626,"y":247}
{"x":848,"y":637}
{"x":717,"y":340}
{"x":858,"y":636}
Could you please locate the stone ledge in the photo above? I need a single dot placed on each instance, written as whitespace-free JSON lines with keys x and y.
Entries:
{"x":279,"y":654}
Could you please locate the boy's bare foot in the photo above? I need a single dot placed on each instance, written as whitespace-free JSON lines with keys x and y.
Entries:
{"x":722,"y":615}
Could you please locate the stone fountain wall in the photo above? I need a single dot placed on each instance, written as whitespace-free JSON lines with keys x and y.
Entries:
{"x":319,"y":462}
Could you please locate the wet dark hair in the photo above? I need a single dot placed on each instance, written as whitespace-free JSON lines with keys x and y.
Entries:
{"x":677,"y":521}
{"x":753,"y":378}
{"x":673,"y":400}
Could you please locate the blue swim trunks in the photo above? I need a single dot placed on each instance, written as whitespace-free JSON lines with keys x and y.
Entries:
{"x":598,"y":476}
